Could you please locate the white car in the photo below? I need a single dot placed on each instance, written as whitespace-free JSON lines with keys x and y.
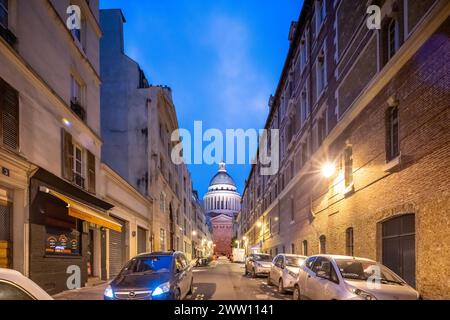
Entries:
{"x":258,"y":264}
{"x":331,"y":277}
{"x":284,"y":271}
{"x":15,"y":286}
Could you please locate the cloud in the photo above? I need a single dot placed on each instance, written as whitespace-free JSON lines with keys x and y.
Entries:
{"x":241,"y":90}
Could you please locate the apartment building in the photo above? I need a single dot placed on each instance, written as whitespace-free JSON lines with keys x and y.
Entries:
{"x":138,"y":120}
{"x":364,"y":141}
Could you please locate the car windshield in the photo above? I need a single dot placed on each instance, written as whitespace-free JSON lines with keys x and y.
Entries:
{"x":262,"y":257}
{"x":294,"y":261}
{"x":148,"y":265}
{"x":353,"y":269}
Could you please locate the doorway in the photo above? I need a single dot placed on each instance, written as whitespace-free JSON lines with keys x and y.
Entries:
{"x":91,"y":246}
{"x":399,"y":247}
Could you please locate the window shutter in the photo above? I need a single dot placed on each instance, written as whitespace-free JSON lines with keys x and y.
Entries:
{"x":67,"y":155}
{"x":91,"y":172}
{"x":9,"y":122}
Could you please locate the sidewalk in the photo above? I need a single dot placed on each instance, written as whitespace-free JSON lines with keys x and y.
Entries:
{"x":88,"y":293}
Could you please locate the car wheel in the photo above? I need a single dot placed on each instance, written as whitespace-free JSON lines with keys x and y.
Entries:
{"x":296,"y":294}
{"x":281,"y":286}
{"x":191,"y":287}
{"x":177,"y":295}
{"x":253,"y":273}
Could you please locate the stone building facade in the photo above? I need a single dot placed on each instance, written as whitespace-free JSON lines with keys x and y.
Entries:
{"x":138,"y":120}
{"x":372,"y":108}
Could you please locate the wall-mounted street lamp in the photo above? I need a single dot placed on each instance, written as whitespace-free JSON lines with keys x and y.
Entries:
{"x":194,"y":233}
{"x":259,"y":224}
{"x":328,"y":170}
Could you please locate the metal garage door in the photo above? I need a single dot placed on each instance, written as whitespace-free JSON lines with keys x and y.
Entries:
{"x":399,"y":252}
{"x":116,"y":250}
{"x":141,"y":240}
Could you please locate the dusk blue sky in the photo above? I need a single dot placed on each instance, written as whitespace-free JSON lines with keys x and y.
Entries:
{"x":222,"y":59}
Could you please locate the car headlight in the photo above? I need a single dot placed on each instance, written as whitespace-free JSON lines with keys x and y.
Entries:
{"x":109,"y":293}
{"x":363,"y":294}
{"x":164,"y":288}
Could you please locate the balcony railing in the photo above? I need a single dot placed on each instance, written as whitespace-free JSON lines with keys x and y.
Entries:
{"x":78,"y":109}
{"x":7,"y":35}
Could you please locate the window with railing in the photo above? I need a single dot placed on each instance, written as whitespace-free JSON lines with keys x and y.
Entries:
{"x":76,"y":99}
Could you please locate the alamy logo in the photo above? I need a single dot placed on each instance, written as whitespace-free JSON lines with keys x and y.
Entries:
{"x":374,"y":17}
{"x":74,"y":280}
{"x":74,"y":20}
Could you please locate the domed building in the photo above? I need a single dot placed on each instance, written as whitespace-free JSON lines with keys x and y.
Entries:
{"x":222,"y":203}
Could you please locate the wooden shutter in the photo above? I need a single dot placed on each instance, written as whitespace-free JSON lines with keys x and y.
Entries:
{"x":67,"y":155}
{"x":9,"y":118}
{"x":91,"y":171}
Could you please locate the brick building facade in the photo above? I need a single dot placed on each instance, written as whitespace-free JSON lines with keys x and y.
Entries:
{"x":374,"y":104}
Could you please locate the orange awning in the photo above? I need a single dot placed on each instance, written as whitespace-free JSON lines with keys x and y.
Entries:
{"x":83,"y":212}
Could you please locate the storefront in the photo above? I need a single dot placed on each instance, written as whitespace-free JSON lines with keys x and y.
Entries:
{"x":67,"y":233}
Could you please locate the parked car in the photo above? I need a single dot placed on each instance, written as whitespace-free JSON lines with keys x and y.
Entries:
{"x":153,"y":276}
{"x":15,"y":286}
{"x":284,"y":271}
{"x":258,"y":264}
{"x":331,"y":277}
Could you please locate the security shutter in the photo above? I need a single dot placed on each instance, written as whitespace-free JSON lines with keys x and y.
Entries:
{"x":9,"y":117}
{"x":116,"y":250}
{"x":141,"y":240}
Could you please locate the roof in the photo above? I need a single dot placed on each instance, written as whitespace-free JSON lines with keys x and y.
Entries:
{"x":222,"y":177}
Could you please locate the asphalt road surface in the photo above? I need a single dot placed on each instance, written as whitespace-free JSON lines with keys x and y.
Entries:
{"x":222,"y":280}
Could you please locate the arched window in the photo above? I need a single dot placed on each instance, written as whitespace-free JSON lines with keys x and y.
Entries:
{"x":349,"y":243}
{"x":305,"y":247}
{"x":323,"y":244}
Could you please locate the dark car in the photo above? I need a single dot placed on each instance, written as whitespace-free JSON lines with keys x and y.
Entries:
{"x":153,"y":276}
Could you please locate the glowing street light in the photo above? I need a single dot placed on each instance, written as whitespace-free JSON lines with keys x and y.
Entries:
{"x":259,"y":224}
{"x":328,"y":170}
{"x":194,"y":233}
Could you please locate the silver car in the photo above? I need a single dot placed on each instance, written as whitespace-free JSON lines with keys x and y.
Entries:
{"x":330,"y":277}
{"x":284,"y":271}
{"x":258,"y":264}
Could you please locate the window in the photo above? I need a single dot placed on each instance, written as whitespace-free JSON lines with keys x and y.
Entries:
{"x":349,"y":248}
{"x":323,"y":244}
{"x":292,"y":248}
{"x":162,"y":240}
{"x":11,"y":292}
{"x":321,"y":130}
{"x":304,"y":153}
{"x":4,"y":13}
{"x":78,"y":174}
{"x":303,"y":51}
{"x":62,"y":242}
{"x":321,"y":13}
{"x":348,"y":166}
{"x":393,"y":144}
{"x":76,"y":98}
{"x":304,"y":112}
{"x":162,"y":202}
{"x":321,"y":72}
{"x":292,"y":209}
{"x":9,"y":116}
{"x":305,"y":247}
{"x":392,"y":38}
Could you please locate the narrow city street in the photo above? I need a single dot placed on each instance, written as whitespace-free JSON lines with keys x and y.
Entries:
{"x":222,"y":280}
{"x":226,"y":281}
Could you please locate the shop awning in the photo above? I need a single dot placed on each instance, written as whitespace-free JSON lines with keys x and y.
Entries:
{"x":83,"y":212}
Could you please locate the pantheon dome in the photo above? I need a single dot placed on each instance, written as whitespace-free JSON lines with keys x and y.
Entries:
{"x":222,"y":196}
